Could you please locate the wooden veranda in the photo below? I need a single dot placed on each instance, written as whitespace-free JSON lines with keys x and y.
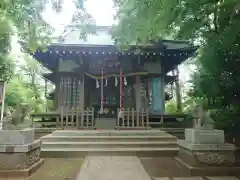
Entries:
{"x":80,"y":118}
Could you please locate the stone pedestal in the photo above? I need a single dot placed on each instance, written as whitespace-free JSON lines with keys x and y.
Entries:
{"x":204,"y":136}
{"x":19,"y":153}
{"x":204,"y":152}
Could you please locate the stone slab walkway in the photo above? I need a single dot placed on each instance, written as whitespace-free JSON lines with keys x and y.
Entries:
{"x":112,"y":168}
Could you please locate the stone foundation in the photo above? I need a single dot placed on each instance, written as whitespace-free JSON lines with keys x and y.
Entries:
{"x":19,"y":158}
{"x":207,"y":158}
{"x":204,"y":152}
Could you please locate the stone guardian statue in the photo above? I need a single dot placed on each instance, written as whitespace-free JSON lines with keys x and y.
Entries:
{"x":201,"y":118}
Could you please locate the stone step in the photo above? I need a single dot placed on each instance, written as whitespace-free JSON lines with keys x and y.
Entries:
{"x":109,"y":133}
{"x":51,"y":138}
{"x":106,"y":144}
{"x":83,"y":152}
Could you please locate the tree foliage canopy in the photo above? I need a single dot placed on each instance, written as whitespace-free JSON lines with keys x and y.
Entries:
{"x":213,"y":24}
{"x":23,"y":20}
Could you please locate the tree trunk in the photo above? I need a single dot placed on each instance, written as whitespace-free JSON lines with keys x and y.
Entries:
{"x":178,"y":90}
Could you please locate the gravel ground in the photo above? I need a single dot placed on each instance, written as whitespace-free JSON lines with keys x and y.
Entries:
{"x":163,"y":167}
{"x":58,"y":169}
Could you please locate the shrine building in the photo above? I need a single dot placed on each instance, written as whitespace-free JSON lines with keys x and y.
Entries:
{"x":95,"y":75}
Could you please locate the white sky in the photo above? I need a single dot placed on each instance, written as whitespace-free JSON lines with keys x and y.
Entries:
{"x":101,"y":10}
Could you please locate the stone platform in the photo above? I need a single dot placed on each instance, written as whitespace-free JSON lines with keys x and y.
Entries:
{"x":81,"y":143}
{"x":19,"y":153}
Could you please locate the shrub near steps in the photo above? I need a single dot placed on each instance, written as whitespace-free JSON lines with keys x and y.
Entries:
{"x":82,"y":143}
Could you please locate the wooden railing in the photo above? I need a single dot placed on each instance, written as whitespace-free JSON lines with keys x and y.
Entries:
{"x":132,"y":119}
{"x":77,"y":117}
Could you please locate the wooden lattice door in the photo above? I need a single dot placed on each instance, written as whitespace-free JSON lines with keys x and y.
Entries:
{"x":70,"y":91}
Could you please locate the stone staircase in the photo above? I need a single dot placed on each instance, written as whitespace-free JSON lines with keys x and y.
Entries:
{"x":79,"y":143}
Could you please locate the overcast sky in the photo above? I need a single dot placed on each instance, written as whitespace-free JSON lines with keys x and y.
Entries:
{"x":101,"y":10}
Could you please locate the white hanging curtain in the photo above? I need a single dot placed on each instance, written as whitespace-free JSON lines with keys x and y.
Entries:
{"x":97,"y":84}
{"x":125,"y":81}
{"x":106,"y":82}
{"x":116,"y":81}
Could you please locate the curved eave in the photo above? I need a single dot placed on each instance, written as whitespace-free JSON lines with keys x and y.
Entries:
{"x":171,"y":63}
{"x":170,"y":57}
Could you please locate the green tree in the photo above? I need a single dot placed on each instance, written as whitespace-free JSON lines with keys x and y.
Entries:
{"x":213,"y":24}
{"x":23,"y":19}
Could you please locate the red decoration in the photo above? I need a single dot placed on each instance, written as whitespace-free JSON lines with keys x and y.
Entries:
{"x":121,"y":89}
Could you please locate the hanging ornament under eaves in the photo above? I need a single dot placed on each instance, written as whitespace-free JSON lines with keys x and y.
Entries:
{"x":125,"y":81}
{"x":116,"y":81}
{"x":97,"y":84}
{"x":106,"y":82}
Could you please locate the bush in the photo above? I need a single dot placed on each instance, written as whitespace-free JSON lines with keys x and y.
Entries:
{"x":227,"y":119}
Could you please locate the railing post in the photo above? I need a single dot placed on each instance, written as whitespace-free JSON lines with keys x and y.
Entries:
{"x":133,"y":117}
{"x":147,"y":119}
{"x":57,"y":121}
{"x":128,"y":117}
{"x":92,"y":117}
{"x":123,"y":118}
{"x":62,"y":115}
{"x":162,"y":117}
{"x":137,"y":114}
{"x":82,"y":118}
{"x":87,"y":122}
{"x":118,"y":123}
{"x":72,"y":116}
{"x":67,"y":111}
{"x":77,"y":117}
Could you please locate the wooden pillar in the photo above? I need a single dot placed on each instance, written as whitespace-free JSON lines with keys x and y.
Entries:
{"x":137,"y":93}
{"x":57,"y":95}
{"x":82,"y":93}
{"x":137,"y":88}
